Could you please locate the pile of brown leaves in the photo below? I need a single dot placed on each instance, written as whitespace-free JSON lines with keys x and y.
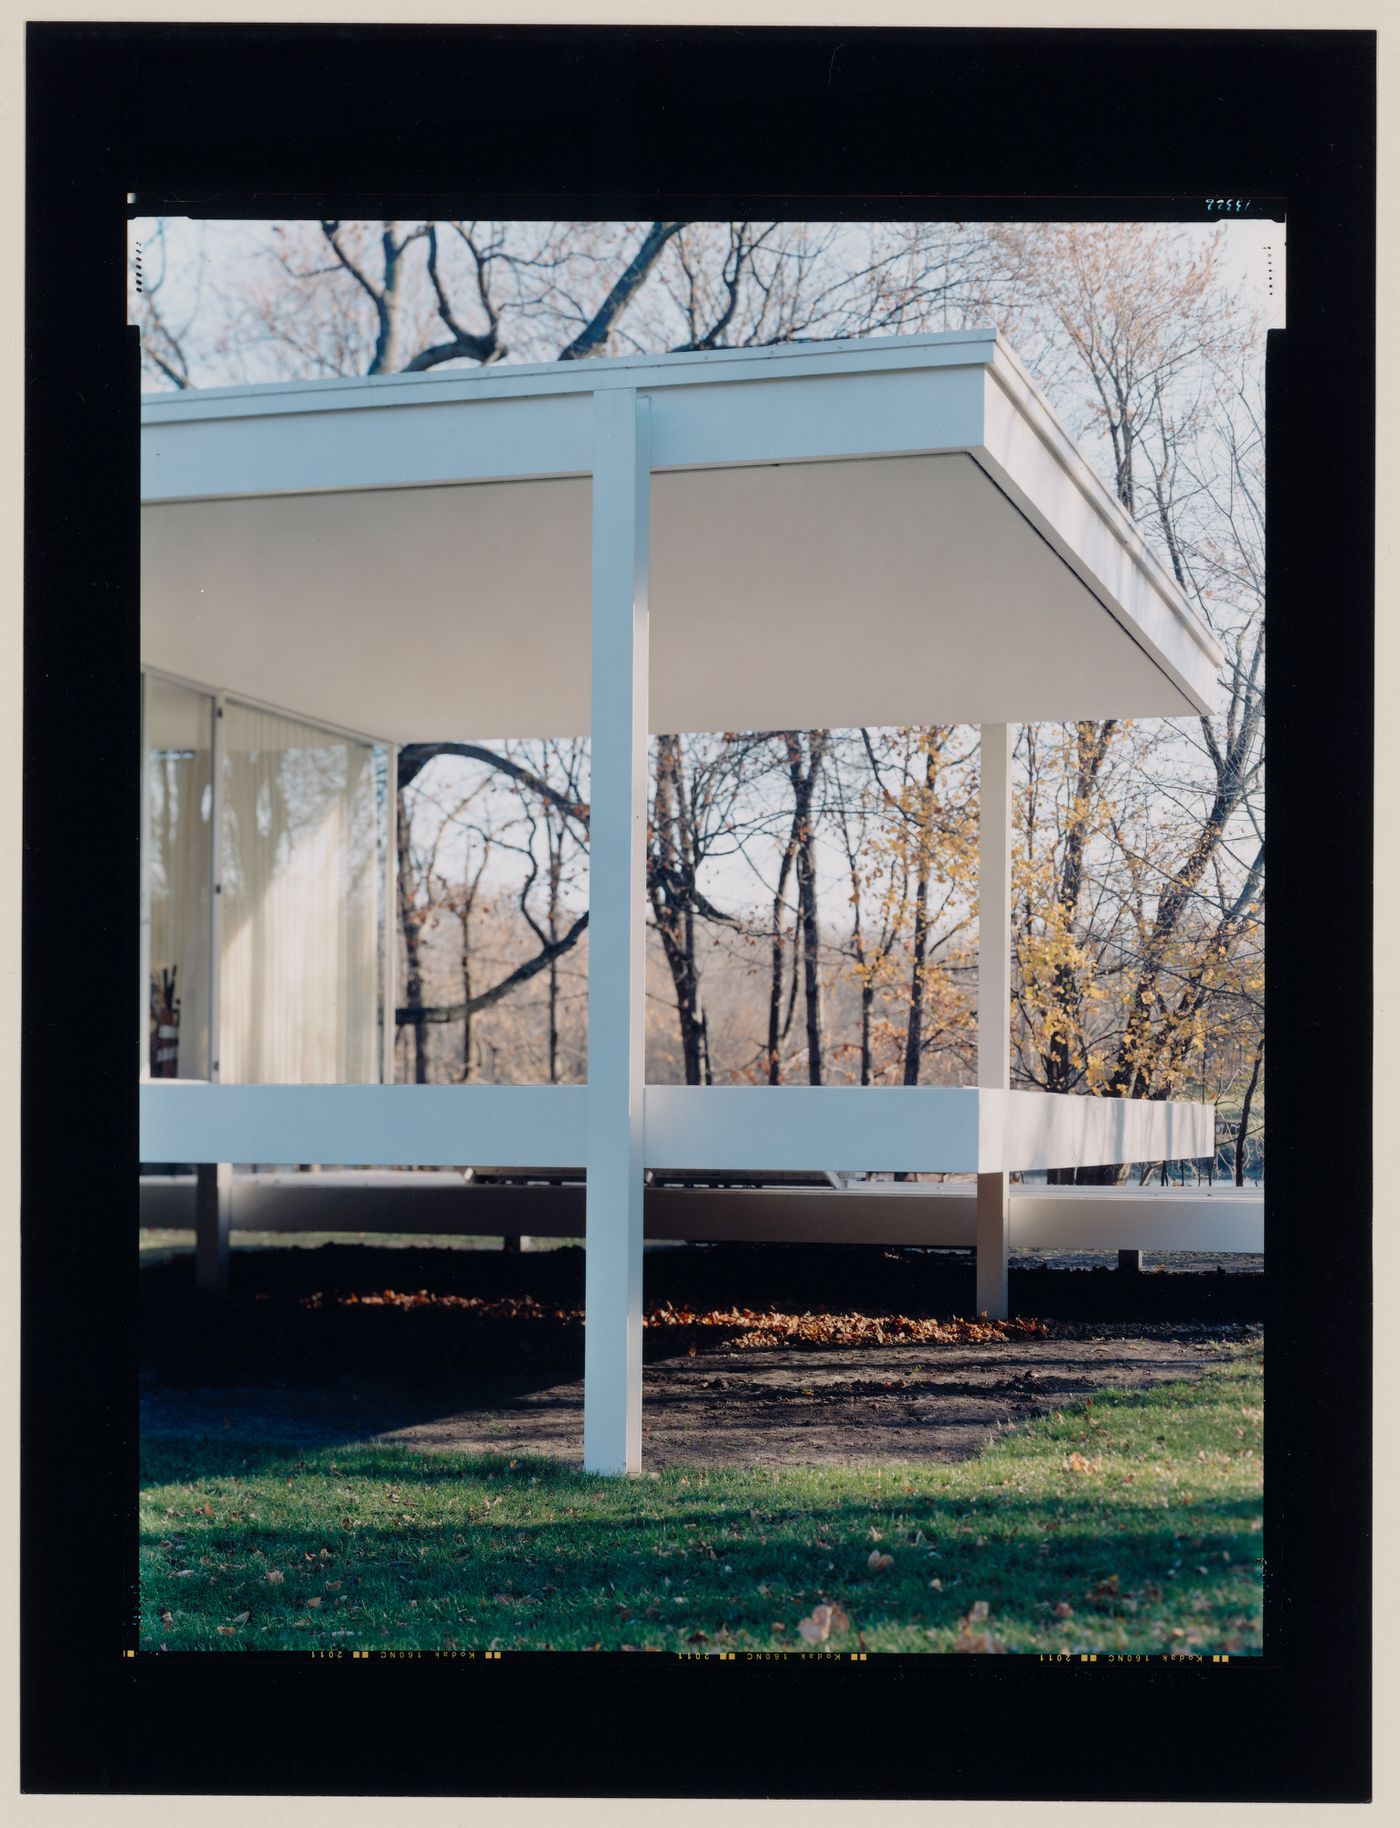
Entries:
{"x":504,"y":1307}
{"x":758,"y":1328}
{"x":751,"y":1327}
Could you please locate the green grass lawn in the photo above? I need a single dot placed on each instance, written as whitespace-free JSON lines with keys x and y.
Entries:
{"x":1130,"y":1524}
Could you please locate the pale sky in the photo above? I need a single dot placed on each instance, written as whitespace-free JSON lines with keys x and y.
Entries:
{"x":197,"y":251}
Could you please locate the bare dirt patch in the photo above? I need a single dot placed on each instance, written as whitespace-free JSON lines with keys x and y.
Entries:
{"x":308,"y":1349}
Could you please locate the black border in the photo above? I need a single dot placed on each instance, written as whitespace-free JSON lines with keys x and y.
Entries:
{"x":640,"y":122}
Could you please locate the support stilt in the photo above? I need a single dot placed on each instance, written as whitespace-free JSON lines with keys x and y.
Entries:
{"x":612,"y":1413}
{"x":213,"y":1216}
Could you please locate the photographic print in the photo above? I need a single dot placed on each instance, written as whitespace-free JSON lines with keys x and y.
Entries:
{"x":681,"y":1148}
{"x":882,"y":1187}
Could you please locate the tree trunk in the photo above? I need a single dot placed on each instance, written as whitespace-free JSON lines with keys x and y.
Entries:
{"x":555,"y":868}
{"x":670,"y":884}
{"x":411,"y":924}
{"x":811,"y":956}
{"x":804,"y":783}
{"x":1245,"y":1108}
{"x":1066,"y":1037}
{"x":914,"y":1028}
{"x":867,"y":987}
{"x":775,"y":988}
{"x":1133,"y":1069}
{"x":466,"y":993}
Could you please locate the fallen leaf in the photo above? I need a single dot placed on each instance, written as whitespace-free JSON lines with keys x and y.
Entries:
{"x":1064,"y":1610}
{"x":275,"y":1577}
{"x":313,"y":1600}
{"x":226,"y":1631}
{"x":166,"y":1620}
{"x":242,"y":1618}
{"x":333,"y":1586}
{"x":877,"y":1563}
{"x":978,"y":1643}
{"x":978,"y":1613}
{"x":817,"y":1628}
{"x":937,"y":1585}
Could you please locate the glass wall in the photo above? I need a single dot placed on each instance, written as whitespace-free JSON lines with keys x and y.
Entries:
{"x":301,"y":902}
{"x":177,"y":871}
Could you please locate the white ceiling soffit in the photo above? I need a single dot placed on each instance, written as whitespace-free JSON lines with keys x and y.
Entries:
{"x":889,"y":531}
{"x":881,"y":591}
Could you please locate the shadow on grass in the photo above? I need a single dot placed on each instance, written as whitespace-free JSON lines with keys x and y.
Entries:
{"x":397,"y":1549}
{"x":678,"y":1569}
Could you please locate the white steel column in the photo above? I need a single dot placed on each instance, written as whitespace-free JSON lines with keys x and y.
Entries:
{"x":612,"y":1409}
{"x":994,"y":1000}
{"x":213,"y":1216}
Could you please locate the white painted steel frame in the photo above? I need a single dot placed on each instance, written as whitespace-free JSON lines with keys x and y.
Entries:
{"x":251,"y":702}
{"x":962,"y":393}
{"x":612,"y":1409}
{"x":1203,"y":1218}
{"x":911,"y":1129}
{"x":617,"y":422}
{"x":213,"y":1221}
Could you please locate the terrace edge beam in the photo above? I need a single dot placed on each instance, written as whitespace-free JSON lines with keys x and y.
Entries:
{"x":993,"y":1000}
{"x":612,"y":1403}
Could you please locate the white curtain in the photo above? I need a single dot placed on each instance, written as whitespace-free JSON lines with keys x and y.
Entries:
{"x":179,"y":729}
{"x":300,"y":904}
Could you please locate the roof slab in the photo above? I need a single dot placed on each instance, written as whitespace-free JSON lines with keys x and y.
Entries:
{"x":891,"y":531}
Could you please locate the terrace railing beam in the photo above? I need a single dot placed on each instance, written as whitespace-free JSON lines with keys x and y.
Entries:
{"x":612,"y":1416}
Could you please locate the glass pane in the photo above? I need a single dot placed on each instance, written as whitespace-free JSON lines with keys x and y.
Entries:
{"x":179,"y":725}
{"x":300,"y":905}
